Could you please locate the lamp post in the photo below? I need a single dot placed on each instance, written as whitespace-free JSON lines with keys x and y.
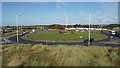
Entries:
{"x":89,"y":27}
{"x":17,"y":26}
{"x":58,"y":19}
{"x":66,"y":21}
{"x":22,"y":14}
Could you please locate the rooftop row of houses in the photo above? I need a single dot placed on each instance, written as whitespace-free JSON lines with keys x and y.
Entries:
{"x":85,"y":29}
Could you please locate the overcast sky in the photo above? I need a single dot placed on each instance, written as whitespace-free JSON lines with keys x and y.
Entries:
{"x":39,"y":13}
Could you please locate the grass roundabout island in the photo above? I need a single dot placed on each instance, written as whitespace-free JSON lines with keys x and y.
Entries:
{"x":55,"y":36}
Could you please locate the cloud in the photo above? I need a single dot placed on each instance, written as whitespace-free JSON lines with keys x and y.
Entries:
{"x":110,"y":0}
{"x":106,"y":20}
{"x":62,"y":1}
{"x":114,"y":20}
{"x":107,"y":14}
{"x":112,"y":7}
{"x":58,"y":6}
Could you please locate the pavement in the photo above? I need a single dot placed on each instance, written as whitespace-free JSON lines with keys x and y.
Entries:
{"x":104,"y":42}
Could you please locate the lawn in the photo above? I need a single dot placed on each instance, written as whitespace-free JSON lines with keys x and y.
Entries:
{"x":59,"y":55}
{"x":55,"y":36}
{"x":10,"y":33}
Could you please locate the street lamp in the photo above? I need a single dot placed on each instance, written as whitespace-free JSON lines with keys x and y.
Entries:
{"x":22,"y":14}
{"x":17,"y":26}
{"x":89,"y":27}
{"x":66,"y":21}
{"x":58,"y":19}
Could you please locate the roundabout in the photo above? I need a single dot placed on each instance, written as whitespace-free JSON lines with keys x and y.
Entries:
{"x":54,"y":36}
{"x":95,"y":43}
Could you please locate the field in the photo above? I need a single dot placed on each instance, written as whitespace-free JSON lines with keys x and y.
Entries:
{"x":59,"y":55}
{"x":55,"y":36}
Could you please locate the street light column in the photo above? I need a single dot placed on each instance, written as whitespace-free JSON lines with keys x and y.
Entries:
{"x":89,"y":27}
{"x":66,"y":22}
{"x":17,"y":27}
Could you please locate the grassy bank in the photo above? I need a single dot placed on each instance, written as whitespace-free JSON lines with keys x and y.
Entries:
{"x":55,"y":36}
{"x":59,"y":55}
{"x":10,"y":33}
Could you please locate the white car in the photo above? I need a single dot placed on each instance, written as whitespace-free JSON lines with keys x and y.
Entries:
{"x":77,"y":30}
{"x":112,"y":32}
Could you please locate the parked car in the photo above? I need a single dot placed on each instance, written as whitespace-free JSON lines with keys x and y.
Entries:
{"x":81,"y":30}
{"x":112,"y":32}
{"x":101,"y":31}
{"x":22,"y":34}
{"x":117,"y":35}
{"x":77,"y":30}
{"x":2,"y":30}
{"x":8,"y":30}
{"x":87,"y":40}
{"x":27,"y":32}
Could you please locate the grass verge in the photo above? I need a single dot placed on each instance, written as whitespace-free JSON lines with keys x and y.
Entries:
{"x":68,"y":37}
{"x":59,"y":55}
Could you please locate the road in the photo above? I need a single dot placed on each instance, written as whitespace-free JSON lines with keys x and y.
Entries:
{"x":104,"y":42}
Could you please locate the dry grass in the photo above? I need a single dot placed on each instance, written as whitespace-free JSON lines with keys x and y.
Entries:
{"x":59,"y":55}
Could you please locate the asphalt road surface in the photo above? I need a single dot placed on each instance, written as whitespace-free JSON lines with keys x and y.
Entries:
{"x":13,"y":40}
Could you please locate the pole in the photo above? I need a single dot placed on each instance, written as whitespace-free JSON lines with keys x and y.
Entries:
{"x":34,"y":27}
{"x":46,"y":41}
{"x":56,"y":26}
{"x":21,"y":27}
{"x":66,"y":21}
{"x":17,"y":27}
{"x":89,"y":27}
